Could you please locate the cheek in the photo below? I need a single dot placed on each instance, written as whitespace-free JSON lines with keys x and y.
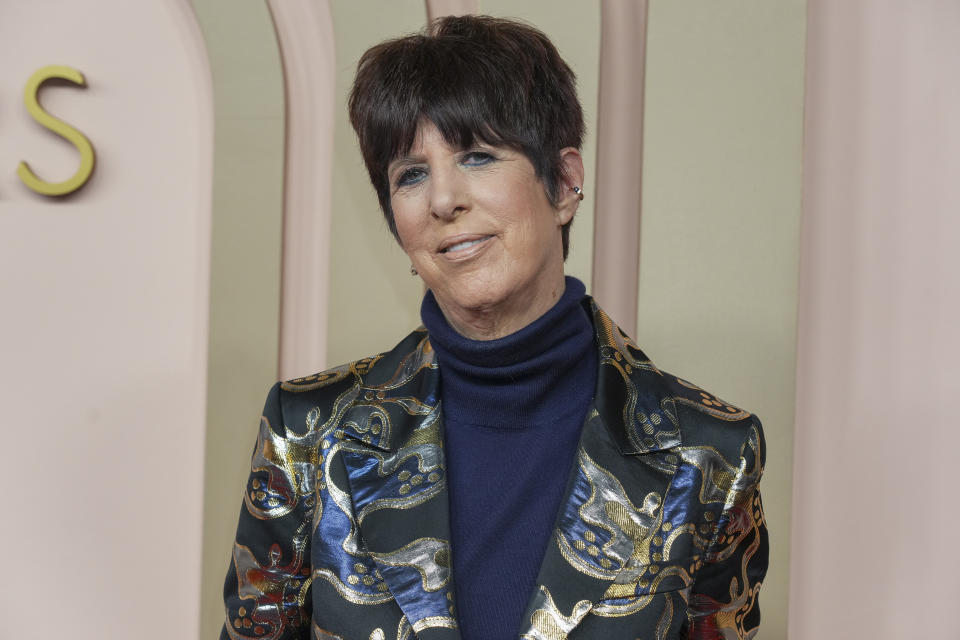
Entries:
{"x":536,"y":221}
{"x":406,"y":224}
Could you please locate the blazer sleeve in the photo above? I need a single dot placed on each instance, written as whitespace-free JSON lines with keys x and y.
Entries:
{"x":267,"y":588}
{"x":723,"y":599}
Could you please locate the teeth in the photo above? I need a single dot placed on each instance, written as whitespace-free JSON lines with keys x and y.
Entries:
{"x":462,"y":245}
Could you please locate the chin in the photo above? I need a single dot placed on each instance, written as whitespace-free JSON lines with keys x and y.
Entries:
{"x":472,"y":296}
{"x":481,"y":300}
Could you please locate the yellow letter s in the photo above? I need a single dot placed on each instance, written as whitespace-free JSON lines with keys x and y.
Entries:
{"x":59,"y":127}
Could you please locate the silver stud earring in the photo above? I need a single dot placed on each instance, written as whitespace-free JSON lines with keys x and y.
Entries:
{"x":578,"y":191}
{"x":413,"y":271}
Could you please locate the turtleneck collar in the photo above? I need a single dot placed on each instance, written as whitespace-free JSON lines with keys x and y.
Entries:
{"x":528,"y":378}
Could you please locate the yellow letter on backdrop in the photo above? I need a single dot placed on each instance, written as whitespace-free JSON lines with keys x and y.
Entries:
{"x":59,"y":127}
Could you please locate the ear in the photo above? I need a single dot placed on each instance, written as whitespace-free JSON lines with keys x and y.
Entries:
{"x":571,"y":175}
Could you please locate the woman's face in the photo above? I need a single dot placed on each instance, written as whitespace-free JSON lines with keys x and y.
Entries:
{"x":479,"y":229}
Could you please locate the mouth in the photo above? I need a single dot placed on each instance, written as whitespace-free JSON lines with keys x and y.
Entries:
{"x":462,"y":244}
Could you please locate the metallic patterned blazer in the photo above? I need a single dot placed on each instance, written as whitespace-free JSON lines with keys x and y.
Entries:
{"x":344,"y":531}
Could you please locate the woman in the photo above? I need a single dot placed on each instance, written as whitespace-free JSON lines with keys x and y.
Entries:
{"x":518,"y":467}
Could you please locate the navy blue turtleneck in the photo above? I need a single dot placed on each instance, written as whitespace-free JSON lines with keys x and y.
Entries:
{"x":512,"y":409}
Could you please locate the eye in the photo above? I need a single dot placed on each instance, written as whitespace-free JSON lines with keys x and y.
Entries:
{"x":410,"y":176}
{"x":477,"y":158}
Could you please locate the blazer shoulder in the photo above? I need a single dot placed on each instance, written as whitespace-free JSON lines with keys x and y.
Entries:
{"x":704,"y":402}
{"x":369,"y":368}
{"x":649,"y":409}
{"x":338,"y":384}
{"x":707,"y":419}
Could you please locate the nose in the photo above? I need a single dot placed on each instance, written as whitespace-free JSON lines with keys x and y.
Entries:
{"x":448,"y":193}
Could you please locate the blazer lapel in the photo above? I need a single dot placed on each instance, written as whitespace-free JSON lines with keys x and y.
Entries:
{"x":393,"y":454}
{"x":613,"y":508}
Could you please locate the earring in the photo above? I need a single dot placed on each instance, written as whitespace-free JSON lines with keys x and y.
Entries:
{"x":413,"y":271}
{"x":578,"y":191}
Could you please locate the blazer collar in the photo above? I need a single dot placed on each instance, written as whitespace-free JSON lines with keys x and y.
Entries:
{"x":396,"y":393}
{"x":632,"y":396}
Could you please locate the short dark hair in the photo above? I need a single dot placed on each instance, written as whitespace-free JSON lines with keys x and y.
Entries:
{"x":498,"y":81}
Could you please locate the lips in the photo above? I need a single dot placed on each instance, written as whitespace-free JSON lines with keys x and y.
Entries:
{"x":462,"y":243}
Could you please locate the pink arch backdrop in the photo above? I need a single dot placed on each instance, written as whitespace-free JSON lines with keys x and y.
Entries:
{"x":876,"y":439}
{"x":103,"y":333}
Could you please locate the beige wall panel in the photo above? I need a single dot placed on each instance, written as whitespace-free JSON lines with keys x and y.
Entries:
{"x":574,"y":27}
{"x":245,"y":266}
{"x":875,"y":517}
{"x":721,"y":210}
{"x":438,"y":8}
{"x":103,"y":333}
{"x":374,"y":301}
